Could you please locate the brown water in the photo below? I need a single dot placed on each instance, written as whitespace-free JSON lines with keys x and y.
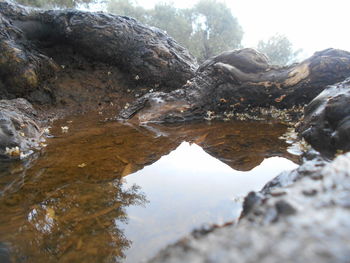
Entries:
{"x":110,"y":192}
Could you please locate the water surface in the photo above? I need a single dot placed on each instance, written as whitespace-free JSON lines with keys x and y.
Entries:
{"x":107,"y":192}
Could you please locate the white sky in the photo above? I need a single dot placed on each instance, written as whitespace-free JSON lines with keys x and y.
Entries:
{"x":309,"y":24}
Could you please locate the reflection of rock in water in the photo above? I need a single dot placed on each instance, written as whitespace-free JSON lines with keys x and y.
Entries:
{"x":66,"y":204}
{"x":301,"y":216}
{"x":241,"y":145}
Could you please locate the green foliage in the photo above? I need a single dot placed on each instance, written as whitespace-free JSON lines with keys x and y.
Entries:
{"x":174,"y":21}
{"x":53,"y":3}
{"x":279,"y":50}
{"x":216,"y":29}
{"x":127,"y":8}
{"x":164,"y":16}
{"x":207,"y":29}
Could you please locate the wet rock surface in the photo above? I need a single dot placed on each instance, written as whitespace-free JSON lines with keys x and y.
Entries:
{"x":40,"y":48}
{"x":302,"y":217}
{"x":241,"y":81}
{"x":326,"y":123}
{"x":19,"y":129}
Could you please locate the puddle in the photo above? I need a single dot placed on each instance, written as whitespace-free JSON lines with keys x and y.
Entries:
{"x":108,"y":192}
{"x":182,"y":197}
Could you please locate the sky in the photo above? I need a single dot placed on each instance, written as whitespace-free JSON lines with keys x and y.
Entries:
{"x":311,"y":25}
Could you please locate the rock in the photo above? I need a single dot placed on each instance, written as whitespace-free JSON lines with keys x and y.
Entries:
{"x":285,"y":228}
{"x":242,"y":81}
{"x":19,"y":129}
{"x":39,"y":49}
{"x":326,"y":123}
{"x":309,"y":167}
{"x":4,"y":254}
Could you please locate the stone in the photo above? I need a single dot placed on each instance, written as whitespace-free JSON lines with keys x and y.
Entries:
{"x":326,"y":122}
{"x":242,"y":81}
{"x":20,"y":132}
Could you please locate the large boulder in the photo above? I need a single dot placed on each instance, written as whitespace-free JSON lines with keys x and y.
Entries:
{"x":243,"y":81}
{"x":37,"y":47}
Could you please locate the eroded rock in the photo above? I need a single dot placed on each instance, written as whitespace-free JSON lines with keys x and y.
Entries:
{"x":326,"y":123}
{"x":243,"y":81}
{"x":38,"y":48}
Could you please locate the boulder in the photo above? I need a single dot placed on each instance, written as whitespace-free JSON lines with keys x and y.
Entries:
{"x":38,"y":48}
{"x":242,"y":81}
{"x":326,"y":123}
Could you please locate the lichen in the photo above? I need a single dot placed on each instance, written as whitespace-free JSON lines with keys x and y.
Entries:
{"x":286,"y":116}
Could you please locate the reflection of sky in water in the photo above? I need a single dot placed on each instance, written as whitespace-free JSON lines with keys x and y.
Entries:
{"x":186,"y":189}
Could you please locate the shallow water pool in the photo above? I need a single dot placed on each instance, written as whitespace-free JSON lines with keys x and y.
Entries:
{"x":113,"y":192}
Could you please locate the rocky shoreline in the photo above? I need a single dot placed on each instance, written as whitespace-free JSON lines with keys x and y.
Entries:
{"x":301,"y":216}
{"x":65,"y":61}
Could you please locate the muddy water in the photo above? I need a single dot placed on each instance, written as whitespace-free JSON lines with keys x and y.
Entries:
{"x":110,"y":192}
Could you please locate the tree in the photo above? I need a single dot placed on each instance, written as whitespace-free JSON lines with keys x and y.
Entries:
{"x":206,"y":30}
{"x":279,"y":50}
{"x":54,"y":3}
{"x":164,"y":16}
{"x":176,"y":22}
{"x":215,"y":29}
{"x":127,"y":8}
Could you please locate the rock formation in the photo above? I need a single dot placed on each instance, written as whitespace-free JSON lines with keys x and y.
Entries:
{"x":38,"y":47}
{"x":326,"y":123}
{"x":68,"y":57}
{"x":242,"y":81}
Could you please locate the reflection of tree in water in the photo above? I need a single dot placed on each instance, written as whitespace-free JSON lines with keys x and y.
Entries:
{"x":75,"y":223}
